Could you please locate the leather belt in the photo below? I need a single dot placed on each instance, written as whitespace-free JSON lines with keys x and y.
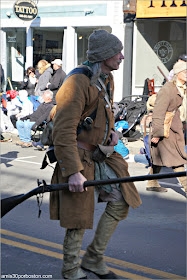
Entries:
{"x":86,"y":146}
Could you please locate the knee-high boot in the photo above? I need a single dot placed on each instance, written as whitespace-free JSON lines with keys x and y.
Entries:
{"x":93,"y":259}
{"x":71,"y":263}
{"x":182,"y":180}
{"x":153,"y":185}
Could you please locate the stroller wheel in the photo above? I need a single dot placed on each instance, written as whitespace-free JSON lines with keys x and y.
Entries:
{"x":124,"y":140}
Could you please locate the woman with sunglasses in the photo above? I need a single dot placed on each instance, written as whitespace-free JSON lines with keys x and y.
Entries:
{"x":29,"y":81}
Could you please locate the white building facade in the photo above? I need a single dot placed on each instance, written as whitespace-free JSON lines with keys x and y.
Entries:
{"x":61,"y":30}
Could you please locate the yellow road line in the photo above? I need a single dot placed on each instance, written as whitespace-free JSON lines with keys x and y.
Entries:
{"x":107,"y":259}
{"x":32,"y":248}
{"x":144,"y":269}
{"x":32,"y":239}
{"x":60,"y":256}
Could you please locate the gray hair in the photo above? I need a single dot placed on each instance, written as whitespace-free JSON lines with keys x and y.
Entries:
{"x":49,"y":93}
{"x":96,"y":69}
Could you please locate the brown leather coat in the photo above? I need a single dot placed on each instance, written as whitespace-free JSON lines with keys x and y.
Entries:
{"x":75,"y":210}
{"x":170,"y":151}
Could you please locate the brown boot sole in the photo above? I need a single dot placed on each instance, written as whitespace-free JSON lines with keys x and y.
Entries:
{"x":27,"y":145}
{"x":156,"y":189}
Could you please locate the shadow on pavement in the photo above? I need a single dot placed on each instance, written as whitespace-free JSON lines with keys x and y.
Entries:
{"x":8,"y":157}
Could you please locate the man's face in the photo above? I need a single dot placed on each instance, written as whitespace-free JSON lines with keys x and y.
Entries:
{"x":55,"y":66}
{"x":112,"y":63}
{"x":46,"y":97}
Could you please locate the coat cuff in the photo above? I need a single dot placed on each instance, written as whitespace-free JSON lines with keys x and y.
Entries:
{"x":158,"y":133}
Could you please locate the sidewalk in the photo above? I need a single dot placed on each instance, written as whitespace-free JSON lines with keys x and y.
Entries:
{"x":10,"y":137}
{"x":134,"y":147}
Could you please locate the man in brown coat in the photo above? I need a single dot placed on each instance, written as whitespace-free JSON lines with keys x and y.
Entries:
{"x":169,"y":152}
{"x":84,"y":120}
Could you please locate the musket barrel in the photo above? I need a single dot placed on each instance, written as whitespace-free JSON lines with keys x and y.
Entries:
{"x":56,"y":187}
{"x":7,"y":204}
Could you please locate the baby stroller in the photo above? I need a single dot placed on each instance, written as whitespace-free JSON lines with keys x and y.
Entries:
{"x":131,"y":111}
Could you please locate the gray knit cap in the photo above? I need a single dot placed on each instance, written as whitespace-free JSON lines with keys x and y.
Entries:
{"x":102,"y":45}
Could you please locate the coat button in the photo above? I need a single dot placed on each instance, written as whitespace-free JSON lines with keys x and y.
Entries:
{"x":60,"y":161}
{"x":63,"y":169}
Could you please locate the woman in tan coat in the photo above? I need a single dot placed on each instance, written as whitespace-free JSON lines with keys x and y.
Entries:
{"x":79,"y":158}
{"x":169,"y":152}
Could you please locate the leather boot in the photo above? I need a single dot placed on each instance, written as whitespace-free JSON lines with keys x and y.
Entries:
{"x":93,"y":259}
{"x":71,"y":263}
{"x":153,"y":185}
{"x":182,"y":180}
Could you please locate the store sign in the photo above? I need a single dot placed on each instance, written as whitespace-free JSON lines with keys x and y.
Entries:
{"x":157,"y":8}
{"x":25,"y":10}
{"x":164,"y":51}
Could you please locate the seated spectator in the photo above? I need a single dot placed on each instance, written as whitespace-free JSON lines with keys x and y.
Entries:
{"x":29,"y":82}
{"x":27,"y":107}
{"x":57,"y":78}
{"x":13,"y":104}
{"x":142,"y":157}
{"x":31,"y":122}
{"x":45,"y":72}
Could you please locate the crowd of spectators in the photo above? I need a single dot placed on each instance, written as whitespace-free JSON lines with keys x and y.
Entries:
{"x":32,"y":103}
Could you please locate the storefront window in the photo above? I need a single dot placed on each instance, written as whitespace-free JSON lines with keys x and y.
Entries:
{"x":82,"y":41}
{"x":166,"y":38}
{"x":159,"y":42}
{"x":16,"y":54}
{"x":47,"y":44}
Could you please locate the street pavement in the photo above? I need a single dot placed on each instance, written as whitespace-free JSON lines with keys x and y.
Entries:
{"x":149,"y":244}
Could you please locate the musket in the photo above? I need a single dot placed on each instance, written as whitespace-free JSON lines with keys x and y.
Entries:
{"x":7,"y":204}
{"x":162,"y":74}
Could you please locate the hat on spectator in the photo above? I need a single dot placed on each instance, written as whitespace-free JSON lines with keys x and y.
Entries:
{"x":179,"y":67}
{"x":102,"y":45}
{"x":57,"y":61}
{"x":183,"y":57}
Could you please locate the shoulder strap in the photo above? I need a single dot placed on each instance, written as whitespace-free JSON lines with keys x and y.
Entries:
{"x":80,"y":70}
{"x":87,"y":72}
